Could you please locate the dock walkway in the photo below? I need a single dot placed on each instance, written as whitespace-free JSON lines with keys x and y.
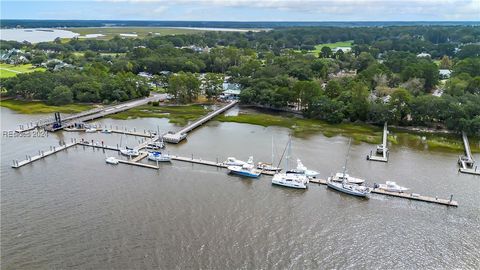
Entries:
{"x":410,"y":196}
{"x":467,"y":163}
{"x":42,"y":154}
{"x":176,"y":137}
{"x":384,"y":148}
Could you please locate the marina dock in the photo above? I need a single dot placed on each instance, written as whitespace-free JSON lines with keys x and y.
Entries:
{"x":71,"y":120}
{"x":467,"y":163}
{"x":383,"y":148}
{"x":136,"y":162}
{"x":403,"y":195}
{"x":178,"y":136}
{"x":42,"y":154}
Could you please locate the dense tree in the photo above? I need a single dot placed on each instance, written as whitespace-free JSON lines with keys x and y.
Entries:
{"x":60,"y":95}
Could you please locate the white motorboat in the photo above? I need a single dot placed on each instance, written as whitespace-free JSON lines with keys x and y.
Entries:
{"x":111,"y":160}
{"x":381,"y":149}
{"x":231,"y":161}
{"x":159,"y":156}
{"x":107,"y":131}
{"x":290,"y":179}
{"x":340,"y":177}
{"x":129,"y":152}
{"x":156,"y":145}
{"x":90,"y":130}
{"x":247,"y":169}
{"x":391,"y":186}
{"x":301,"y":169}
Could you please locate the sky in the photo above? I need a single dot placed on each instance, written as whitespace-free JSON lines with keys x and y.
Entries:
{"x":244,"y":10}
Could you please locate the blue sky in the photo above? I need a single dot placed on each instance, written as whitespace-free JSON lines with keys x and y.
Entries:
{"x":245,"y":10}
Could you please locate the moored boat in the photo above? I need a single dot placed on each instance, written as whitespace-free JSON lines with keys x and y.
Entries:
{"x":340,"y":177}
{"x":352,"y":189}
{"x":391,"y":186}
{"x":247,"y":169}
{"x":111,"y":160}
{"x":290,"y":179}
{"x":129,"y":152}
{"x":90,"y":130}
{"x":301,"y":169}
{"x":231,"y":161}
{"x":159,"y":156}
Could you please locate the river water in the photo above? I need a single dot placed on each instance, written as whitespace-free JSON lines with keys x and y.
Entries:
{"x":73,"y":211}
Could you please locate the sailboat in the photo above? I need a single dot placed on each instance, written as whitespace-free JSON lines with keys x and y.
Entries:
{"x":246,"y":169}
{"x":290,"y":179}
{"x":345,"y":186}
{"x":265,"y":166}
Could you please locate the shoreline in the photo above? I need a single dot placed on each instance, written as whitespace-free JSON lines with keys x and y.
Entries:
{"x":412,"y":137}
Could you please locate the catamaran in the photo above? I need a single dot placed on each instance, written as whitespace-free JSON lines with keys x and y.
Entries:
{"x":290,"y":179}
{"x":345,"y":186}
{"x":159,"y":156}
{"x":247,"y":169}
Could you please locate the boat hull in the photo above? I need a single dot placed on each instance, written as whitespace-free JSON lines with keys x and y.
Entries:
{"x":251,"y":174}
{"x":340,"y":188}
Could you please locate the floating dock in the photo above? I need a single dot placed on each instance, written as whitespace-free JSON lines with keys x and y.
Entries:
{"x":42,"y":154}
{"x":467,"y":163}
{"x":410,"y":196}
{"x":383,"y":148}
{"x":178,"y":136}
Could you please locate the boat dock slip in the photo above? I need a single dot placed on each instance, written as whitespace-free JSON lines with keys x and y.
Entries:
{"x":176,"y":137}
{"x":410,"y":196}
{"x":208,"y":163}
{"x":42,"y":154}
{"x":381,"y":149}
{"x":138,"y":164}
{"x":140,"y":157}
{"x":467,"y":163}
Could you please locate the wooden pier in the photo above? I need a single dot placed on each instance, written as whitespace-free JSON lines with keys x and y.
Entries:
{"x":71,"y":120}
{"x":467,"y":163}
{"x":178,"y":136}
{"x":42,"y":154}
{"x":383,"y":148}
{"x":410,"y":196}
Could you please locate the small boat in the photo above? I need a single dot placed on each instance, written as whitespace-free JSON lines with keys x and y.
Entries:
{"x":391,"y":186}
{"x":156,"y":145}
{"x":129,"y":152}
{"x":158,"y":156}
{"x":111,"y":160}
{"x":381,"y":149}
{"x":352,"y":189}
{"x":265,"y":166}
{"x":340,"y":177}
{"x":301,"y":169}
{"x":231,"y":161}
{"x":288,"y":178}
{"x":106,"y":131}
{"x":90,"y":130}
{"x":247,"y":170}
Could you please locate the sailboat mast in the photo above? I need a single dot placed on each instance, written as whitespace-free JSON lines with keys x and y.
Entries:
{"x":272,"y":150}
{"x":289,"y":153}
{"x":346,"y":159}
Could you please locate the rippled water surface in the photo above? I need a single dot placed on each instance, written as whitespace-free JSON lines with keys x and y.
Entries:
{"x":73,"y":211}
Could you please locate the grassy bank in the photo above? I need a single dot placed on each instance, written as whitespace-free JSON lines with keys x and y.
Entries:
{"x":7,"y":70}
{"x":140,"y":32}
{"x":180,"y":115}
{"x":358,"y":132}
{"x":33,"y":107}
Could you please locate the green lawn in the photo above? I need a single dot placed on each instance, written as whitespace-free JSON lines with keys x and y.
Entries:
{"x":33,"y":107}
{"x":319,"y":47}
{"x":180,"y":115}
{"x":141,"y":32}
{"x":358,"y":132}
{"x":7,"y":70}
